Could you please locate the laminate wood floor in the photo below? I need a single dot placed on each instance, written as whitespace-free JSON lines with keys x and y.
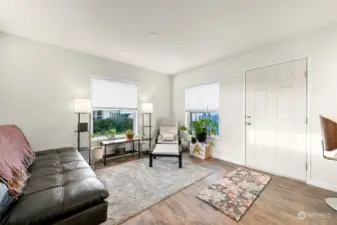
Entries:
{"x":279,"y":203}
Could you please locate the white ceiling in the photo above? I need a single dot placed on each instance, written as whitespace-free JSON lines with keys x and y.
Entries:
{"x":191,"y":32}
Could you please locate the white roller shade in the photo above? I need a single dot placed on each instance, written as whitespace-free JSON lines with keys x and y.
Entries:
{"x":113,"y":94}
{"x":202,"y":98}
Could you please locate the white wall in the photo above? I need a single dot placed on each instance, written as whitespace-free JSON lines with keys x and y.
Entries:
{"x":38,"y":83}
{"x":320,"y":47}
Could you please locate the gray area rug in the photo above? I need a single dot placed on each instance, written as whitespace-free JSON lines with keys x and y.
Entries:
{"x":134,"y":186}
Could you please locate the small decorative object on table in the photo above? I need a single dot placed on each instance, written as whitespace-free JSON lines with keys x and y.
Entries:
{"x":111,"y":133}
{"x":129,"y":134}
{"x":200,"y":150}
{"x":121,"y":149}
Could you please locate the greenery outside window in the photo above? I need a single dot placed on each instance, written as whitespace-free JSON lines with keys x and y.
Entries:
{"x":119,"y":119}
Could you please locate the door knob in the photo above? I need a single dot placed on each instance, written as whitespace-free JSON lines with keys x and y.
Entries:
{"x":248,"y":117}
{"x":248,"y":123}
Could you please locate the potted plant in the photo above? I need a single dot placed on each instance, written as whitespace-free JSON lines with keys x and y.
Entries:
{"x":190,"y":132}
{"x":185,"y":136}
{"x":97,"y":150}
{"x":129,"y":134}
{"x":144,"y":145}
{"x":111,"y":133}
{"x":193,"y":139}
{"x":199,"y":128}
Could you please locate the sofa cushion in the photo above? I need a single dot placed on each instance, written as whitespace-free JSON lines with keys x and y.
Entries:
{"x":166,"y":149}
{"x":61,"y":184}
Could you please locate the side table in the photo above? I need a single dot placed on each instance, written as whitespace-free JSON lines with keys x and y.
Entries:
{"x":200,"y":150}
{"x":120,"y":141}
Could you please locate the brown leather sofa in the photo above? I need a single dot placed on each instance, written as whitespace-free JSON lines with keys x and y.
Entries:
{"x":61,"y":190}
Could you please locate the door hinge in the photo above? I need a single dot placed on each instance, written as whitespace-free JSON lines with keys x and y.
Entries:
{"x":306,"y":74}
{"x":306,"y":166}
{"x":306,"y":120}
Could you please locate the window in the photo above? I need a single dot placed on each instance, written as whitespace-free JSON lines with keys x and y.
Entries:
{"x":121,"y":120}
{"x":202,"y":102}
{"x":114,"y":105}
{"x":213,"y":116}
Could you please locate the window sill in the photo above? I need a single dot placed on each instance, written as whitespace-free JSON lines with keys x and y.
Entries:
{"x":99,"y":139}
{"x":103,"y":138}
{"x":216,"y":138}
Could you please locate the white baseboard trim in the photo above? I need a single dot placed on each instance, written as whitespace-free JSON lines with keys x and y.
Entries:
{"x":315,"y":183}
{"x":323,"y":185}
{"x":224,"y":158}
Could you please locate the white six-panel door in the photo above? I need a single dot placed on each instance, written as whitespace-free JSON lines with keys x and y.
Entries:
{"x":276,"y":113}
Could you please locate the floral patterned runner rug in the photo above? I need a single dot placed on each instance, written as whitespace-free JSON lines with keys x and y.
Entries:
{"x":235,"y":193}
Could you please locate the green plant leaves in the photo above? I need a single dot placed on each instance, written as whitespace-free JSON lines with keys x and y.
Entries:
{"x":129,"y":132}
{"x":201,"y":124}
{"x":120,"y":124}
{"x":183,"y":128}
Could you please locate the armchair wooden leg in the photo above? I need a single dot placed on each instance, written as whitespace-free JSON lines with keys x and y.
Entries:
{"x":150,"y":160}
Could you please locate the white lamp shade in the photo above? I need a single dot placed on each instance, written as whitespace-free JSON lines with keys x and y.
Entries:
{"x":147,"y":107}
{"x":82,"y":105}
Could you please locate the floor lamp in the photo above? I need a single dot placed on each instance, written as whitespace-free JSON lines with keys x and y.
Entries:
{"x":83,"y":106}
{"x":329,"y":144}
{"x":147,"y":109}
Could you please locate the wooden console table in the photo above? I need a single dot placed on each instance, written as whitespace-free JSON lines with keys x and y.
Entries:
{"x":120,"y":141}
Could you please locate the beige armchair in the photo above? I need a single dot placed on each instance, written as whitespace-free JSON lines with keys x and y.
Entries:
{"x":168,"y":132}
{"x":167,"y":142}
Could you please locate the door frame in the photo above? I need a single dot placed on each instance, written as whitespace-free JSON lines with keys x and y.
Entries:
{"x":307,"y":133}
